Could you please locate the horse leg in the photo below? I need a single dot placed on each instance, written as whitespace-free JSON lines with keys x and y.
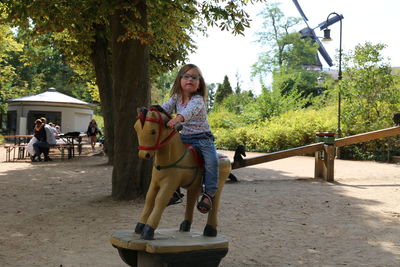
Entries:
{"x":161,"y":201}
{"x":148,"y":207}
{"x":212,"y":220}
{"x":192,"y":195}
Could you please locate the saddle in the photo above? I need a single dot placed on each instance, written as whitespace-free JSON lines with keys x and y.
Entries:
{"x":198,"y":158}
{"x":196,"y":154}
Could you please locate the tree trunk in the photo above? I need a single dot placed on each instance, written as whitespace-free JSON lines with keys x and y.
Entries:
{"x":130,"y":64}
{"x":102,"y":65}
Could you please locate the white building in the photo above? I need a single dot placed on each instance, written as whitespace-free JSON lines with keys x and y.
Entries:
{"x":73,"y":115}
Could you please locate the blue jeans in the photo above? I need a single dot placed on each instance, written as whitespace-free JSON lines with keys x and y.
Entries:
{"x":41,"y":146}
{"x":205,"y":143}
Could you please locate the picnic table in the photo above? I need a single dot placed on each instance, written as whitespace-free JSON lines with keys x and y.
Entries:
{"x":73,"y":139}
{"x":19,"y":139}
{"x":16,"y":148}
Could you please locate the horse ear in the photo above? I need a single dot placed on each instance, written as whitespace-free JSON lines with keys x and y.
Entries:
{"x":142,"y":112}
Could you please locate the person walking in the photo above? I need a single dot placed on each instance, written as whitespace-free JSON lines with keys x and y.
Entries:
{"x":92,"y":132}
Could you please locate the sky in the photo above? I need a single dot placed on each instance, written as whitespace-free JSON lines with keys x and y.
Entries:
{"x":222,"y":53}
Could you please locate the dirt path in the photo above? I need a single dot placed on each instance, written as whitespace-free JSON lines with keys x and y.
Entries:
{"x":61,"y":213}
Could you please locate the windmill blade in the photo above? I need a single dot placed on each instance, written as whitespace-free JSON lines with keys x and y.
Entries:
{"x":324,"y":54}
{"x":308,"y":32}
{"x":330,"y":21}
{"x":300,"y":10}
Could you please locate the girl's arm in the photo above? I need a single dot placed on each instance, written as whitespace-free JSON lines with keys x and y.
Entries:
{"x":170,"y":105}
{"x":172,"y":122}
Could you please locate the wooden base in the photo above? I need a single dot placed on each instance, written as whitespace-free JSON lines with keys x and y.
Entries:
{"x":170,"y":248}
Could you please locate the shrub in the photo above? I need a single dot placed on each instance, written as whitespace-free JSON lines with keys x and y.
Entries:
{"x":292,"y":129}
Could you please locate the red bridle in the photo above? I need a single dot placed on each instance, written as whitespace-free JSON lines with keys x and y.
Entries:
{"x":160,"y":123}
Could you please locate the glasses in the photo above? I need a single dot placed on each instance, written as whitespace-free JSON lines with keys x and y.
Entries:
{"x":189,"y":76}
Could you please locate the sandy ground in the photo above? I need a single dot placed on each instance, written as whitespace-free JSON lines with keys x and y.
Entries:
{"x":61,"y":214}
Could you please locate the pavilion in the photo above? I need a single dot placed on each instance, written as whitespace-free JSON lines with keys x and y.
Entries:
{"x":73,"y":115}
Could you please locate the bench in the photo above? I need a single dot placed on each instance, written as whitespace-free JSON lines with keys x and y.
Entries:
{"x":18,"y":152}
{"x":19,"y":149}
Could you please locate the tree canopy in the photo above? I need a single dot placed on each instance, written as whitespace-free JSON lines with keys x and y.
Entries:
{"x":223,"y":90}
{"x":122,"y":42}
{"x":286,"y":55}
{"x":368,"y":88}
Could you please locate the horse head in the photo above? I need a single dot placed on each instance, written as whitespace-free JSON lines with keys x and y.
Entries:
{"x":152,"y":131}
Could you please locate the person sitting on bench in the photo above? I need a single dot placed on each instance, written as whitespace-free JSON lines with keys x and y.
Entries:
{"x":44,"y":144}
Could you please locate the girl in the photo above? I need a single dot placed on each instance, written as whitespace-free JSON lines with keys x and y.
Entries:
{"x":188,"y":99}
{"x":92,"y":132}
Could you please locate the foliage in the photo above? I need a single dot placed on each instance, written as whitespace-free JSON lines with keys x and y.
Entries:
{"x":223,"y":91}
{"x":370,"y":94}
{"x":221,"y":118}
{"x":273,"y":103}
{"x":288,"y":49}
{"x":291,"y":129}
{"x":368,"y":89}
{"x":236,"y":103}
{"x":122,"y":43}
{"x":41,"y":65}
{"x":210,"y":96}
{"x":161,"y":86}
{"x":100,"y":121}
{"x":288,"y":55}
{"x":301,"y":80}
{"x":7,"y":72}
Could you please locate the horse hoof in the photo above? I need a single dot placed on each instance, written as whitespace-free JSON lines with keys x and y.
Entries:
{"x":210,"y":231}
{"x":147,"y":233}
{"x":139,"y":228}
{"x":185,"y":226}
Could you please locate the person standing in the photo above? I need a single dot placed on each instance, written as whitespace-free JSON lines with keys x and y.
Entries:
{"x":92,"y":132}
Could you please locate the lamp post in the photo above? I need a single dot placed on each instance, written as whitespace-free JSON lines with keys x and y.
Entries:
{"x":327,"y":37}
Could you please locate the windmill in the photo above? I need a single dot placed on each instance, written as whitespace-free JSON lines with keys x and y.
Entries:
{"x":309,"y":32}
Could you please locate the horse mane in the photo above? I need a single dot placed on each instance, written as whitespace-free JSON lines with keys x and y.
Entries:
{"x":160,"y":109}
{"x":143,"y":112}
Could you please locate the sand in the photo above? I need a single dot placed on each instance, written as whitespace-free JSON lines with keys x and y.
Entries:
{"x":61,"y":214}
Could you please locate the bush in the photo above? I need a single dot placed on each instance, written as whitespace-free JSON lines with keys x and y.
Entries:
{"x":1,"y":139}
{"x":292,"y":129}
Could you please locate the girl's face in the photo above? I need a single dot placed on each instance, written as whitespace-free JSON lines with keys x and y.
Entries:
{"x":190,"y":81}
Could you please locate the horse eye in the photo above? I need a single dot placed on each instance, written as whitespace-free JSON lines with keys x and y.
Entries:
{"x":153,"y":131}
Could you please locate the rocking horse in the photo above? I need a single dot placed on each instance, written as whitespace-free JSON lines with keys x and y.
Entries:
{"x":175,"y":165}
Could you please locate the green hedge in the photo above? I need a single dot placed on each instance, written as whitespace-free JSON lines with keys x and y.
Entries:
{"x":292,"y":129}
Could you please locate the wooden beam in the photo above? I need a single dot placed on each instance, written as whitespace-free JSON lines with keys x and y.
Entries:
{"x":364,"y":137}
{"x":279,"y":155}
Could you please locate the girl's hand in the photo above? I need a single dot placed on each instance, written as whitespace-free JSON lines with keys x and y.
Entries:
{"x":178,"y":119}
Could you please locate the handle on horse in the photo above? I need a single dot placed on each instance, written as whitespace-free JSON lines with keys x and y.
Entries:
{"x":178,"y":127}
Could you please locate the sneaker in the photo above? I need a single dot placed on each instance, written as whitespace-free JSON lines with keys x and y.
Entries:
{"x":47,"y":159}
{"x":176,"y":198}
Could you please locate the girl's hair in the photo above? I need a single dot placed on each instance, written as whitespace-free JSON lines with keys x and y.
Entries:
{"x":177,"y":89}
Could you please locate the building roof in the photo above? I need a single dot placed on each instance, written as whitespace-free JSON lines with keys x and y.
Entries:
{"x":50,"y":96}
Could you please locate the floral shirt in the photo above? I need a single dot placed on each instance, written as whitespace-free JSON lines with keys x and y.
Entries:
{"x":194,"y":113}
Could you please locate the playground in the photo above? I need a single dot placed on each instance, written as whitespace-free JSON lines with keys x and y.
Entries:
{"x":61,"y":214}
